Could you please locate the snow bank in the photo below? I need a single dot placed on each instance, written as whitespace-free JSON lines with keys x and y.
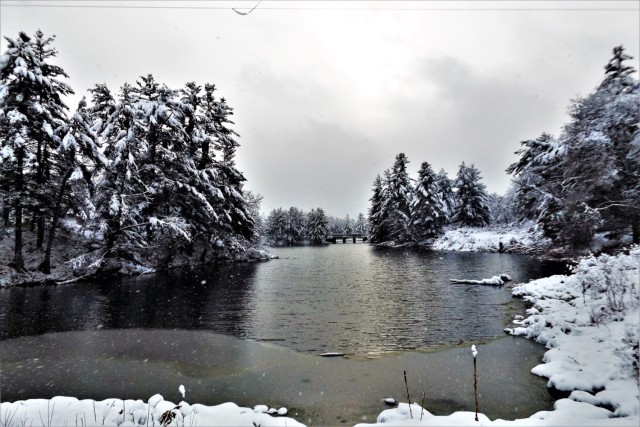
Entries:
{"x":590,"y":322}
{"x":513,"y":240}
{"x":67,"y":411}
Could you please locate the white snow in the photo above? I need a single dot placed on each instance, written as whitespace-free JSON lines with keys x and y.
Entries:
{"x":514,"y":239}
{"x":63,"y":411}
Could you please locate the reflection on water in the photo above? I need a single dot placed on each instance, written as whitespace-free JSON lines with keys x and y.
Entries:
{"x":350,"y":298}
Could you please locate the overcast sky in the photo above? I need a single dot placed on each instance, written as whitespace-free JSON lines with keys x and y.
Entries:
{"x":325,"y":94}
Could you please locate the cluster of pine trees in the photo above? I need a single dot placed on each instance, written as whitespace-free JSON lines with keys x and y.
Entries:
{"x":403,"y":210}
{"x":587,"y":180}
{"x":149,"y":170}
{"x":293,"y":226}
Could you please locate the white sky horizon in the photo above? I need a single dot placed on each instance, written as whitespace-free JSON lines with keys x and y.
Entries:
{"x":325,"y":94}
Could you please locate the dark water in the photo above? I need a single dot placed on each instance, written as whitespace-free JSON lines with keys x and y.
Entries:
{"x":350,"y":298}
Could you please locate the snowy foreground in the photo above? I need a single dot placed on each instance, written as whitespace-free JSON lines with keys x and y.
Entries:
{"x":69,"y":411}
{"x":589,"y":322}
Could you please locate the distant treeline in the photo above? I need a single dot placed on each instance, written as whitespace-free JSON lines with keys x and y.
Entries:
{"x":293,"y":226}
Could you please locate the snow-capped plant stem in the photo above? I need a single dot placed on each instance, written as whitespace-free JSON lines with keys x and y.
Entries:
{"x":475,"y":379}
{"x":422,"y":406}
{"x":406,"y":386}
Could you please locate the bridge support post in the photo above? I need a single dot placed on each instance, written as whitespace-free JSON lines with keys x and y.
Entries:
{"x":344,"y":240}
{"x":354,"y":239}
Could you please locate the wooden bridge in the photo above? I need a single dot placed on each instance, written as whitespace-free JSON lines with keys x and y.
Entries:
{"x":333,"y":238}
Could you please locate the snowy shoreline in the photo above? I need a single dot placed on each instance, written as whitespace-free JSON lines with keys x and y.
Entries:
{"x":589,"y":321}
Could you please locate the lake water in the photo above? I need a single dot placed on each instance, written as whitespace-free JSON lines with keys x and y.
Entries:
{"x":370,"y":303}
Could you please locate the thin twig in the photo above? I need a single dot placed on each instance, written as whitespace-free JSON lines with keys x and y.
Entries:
{"x":406,"y":385}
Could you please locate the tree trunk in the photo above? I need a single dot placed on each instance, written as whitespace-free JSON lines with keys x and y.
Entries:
{"x":6,"y":211}
{"x":45,"y":266}
{"x":18,"y":260}
{"x":635,"y":229}
{"x":40,"y":233}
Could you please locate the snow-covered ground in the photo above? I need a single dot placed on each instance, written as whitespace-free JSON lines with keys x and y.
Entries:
{"x":69,"y":411}
{"x":513,"y":239}
{"x":589,"y":321}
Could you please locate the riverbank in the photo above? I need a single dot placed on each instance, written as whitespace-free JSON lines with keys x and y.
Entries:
{"x":589,"y":321}
{"x":75,"y":258}
{"x":517,"y":240}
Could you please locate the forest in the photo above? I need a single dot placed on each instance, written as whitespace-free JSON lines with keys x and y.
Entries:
{"x":140,"y":175}
{"x":583,"y":183}
{"x":146,"y":176}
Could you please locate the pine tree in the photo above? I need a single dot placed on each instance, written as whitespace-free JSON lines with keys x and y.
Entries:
{"x":427,"y":211}
{"x":400,"y":191}
{"x":317,"y":226}
{"x":538,"y":181}
{"x":473,"y":204}
{"x":295,"y":226}
{"x":78,"y":155}
{"x":31,"y":109}
{"x":443,"y":185}
{"x":277,"y":225}
{"x":360,"y":226}
{"x":378,"y":212}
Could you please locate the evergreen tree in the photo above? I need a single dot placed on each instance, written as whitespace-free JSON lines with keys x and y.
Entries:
{"x":77,"y":156}
{"x":400,"y":191}
{"x":427,"y":211}
{"x":360,"y":226}
{"x":348,"y":225}
{"x":317,"y":226}
{"x":538,"y":181}
{"x":295,"y":226}
{"x":443,"y":185}
{"x":378,"y":212}
{"x":276,"y":227}
{"x":473,"y":204}
{"x":31,"y":109}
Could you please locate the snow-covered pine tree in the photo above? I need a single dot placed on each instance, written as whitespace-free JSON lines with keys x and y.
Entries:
{"x":602,"y":167}
{"x":276,"y":227}
{"x":400,"y":191}
{"x":31,"y":108}
{"x":317,"y":226}
{"x":377,"y":212}
{"x":538,"y":181}
{"x":219,"y":136}
{"x":77,"y":157}
{"x":443,"y":185}
{"x":296,"y":225}
{"x":473,"y":205}
{"x":427,"y":211}
{"x":360,"y":226}
{"x":121,"y":194}
{"x":347,"y":228}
